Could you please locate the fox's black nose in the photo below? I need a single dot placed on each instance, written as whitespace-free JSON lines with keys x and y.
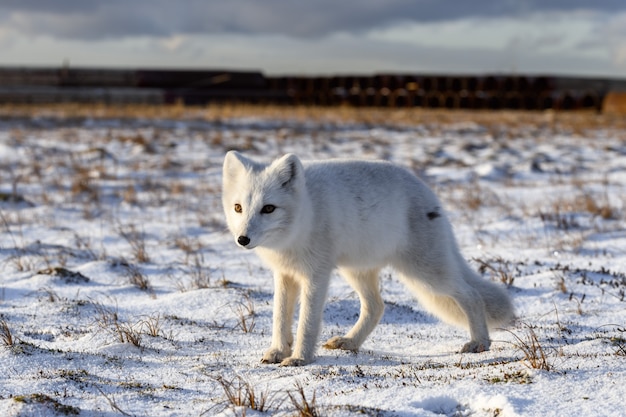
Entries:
{"x":243,"y":240}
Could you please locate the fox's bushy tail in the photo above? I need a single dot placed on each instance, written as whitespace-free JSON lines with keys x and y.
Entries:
{"x":498,"y":307}
{"x":499,"y":310}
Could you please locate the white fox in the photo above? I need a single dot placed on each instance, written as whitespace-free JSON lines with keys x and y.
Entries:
{"x":306,"y":219}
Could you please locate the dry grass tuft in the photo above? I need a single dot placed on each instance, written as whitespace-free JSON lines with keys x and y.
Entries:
{"x":565,"y":212}
{"x":241,"y":393}
{"x":152,"y":326}
{"x":534,"y":354}
{"x":199,"y":273}
{"x":245,"y":315}
{"x":6,"y":337}
{"x":137,"y":242}
{"x":138,"y":278}
{"x":53,"y":406}
{"x":499,"y":267}
{"x":617,"y":340}
{"x":108,"y":320}
{"x":304,"y":407}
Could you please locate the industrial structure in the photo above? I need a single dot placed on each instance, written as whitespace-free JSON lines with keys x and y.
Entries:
{"x":117,"y":86}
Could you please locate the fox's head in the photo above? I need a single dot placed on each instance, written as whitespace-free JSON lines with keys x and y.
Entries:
{"x":262,"y":202}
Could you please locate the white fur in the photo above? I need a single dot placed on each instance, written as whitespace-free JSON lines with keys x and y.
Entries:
{"x":357,"y":216}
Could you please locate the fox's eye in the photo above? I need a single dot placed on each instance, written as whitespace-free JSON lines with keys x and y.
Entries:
{"x":268,"y":209}
{"x":238,"y":208}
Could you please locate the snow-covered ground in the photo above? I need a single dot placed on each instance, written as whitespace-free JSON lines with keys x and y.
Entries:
{"x":121,"y":293}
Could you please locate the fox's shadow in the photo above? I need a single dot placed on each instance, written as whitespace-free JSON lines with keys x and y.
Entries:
{"x":345,"y":312}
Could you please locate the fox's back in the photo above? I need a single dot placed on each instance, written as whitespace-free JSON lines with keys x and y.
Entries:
{"x":371,"y":189}
{"x":368,"y":210}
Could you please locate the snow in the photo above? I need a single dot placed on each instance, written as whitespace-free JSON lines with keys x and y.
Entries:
{"x":123,"y":293}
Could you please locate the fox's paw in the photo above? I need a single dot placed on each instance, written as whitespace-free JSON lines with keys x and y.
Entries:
{"x":274,"y":355}
{"x":338,"y":342}
{"x":474,"y":346}
{"x":293,"y":361}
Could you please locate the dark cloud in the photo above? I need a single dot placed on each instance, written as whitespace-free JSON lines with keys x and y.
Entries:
{"x":42,"y":6}
{"x":84,"y":19}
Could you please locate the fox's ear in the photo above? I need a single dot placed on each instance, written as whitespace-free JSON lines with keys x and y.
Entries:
{"x":234,"y":164}
{"x":288,"y":169}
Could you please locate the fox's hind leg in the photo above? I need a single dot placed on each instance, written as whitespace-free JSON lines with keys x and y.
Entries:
{"x":365,"y":283}
{"x":448,"y":296}
{"x":472,"y":304}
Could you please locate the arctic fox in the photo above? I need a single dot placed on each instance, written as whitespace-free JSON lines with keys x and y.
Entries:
{"x":304,"y":220}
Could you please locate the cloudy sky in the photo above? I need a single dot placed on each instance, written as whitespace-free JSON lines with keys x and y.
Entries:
{"x":571,"y":37}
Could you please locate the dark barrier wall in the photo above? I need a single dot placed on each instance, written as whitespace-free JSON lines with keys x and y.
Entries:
{"x":33,"y":85}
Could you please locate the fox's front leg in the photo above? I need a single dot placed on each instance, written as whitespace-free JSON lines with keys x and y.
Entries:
{"x":285,"y":297}
{"x":312,"y":298}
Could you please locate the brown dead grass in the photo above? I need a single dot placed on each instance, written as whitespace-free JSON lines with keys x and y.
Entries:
{"x":615,"y":103}
{"x":571,"y":120}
